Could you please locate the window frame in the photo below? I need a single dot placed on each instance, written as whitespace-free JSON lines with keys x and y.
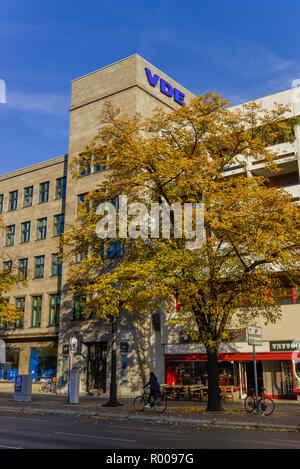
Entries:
{"x":25,"y":230}
{"x":13,"y":200}
{"x":39,"y":267}
{"x":28,"y":197}
{"x":44,"y":189}
{"x":36,"y":311}
{"x":41,"y":230}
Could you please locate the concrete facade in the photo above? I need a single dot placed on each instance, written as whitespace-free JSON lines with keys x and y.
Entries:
{"x":125,"y":84}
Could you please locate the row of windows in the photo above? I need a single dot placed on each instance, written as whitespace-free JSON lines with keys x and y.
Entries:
{"x":58,"y":229}
{"x":291,"y":296}
{"x":36,"y":311}
{"x":39,"y":266}
{"x":54,"y":310}
{"x":43,"y":196}
{"x":88,"y":168}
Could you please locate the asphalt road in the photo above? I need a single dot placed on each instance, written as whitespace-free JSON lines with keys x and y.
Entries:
{"x":30,"y":431}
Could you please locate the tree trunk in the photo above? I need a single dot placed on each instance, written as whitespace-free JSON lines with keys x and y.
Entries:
{"x":113,"y":402}
{"x":214,"y":400}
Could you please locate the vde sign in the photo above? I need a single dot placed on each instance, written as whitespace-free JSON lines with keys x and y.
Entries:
{"x":165,"y":87}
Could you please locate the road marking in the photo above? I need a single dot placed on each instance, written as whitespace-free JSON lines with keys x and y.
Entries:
{"x":10,"y":447}
{"x":288,"y":441}
{"x":93,"y":436}
{"x":26,"y":419}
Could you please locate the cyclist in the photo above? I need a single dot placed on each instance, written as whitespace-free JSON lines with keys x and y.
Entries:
{"x":154,"y":388}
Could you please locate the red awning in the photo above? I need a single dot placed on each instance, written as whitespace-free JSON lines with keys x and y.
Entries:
{"x":230,"y":356}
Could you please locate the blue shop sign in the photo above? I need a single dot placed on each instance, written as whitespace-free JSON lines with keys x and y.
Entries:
{"x":165,"y":87}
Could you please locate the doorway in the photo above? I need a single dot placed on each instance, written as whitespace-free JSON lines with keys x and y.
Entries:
{"x":96,"y":366}
{"x":250,"y":375}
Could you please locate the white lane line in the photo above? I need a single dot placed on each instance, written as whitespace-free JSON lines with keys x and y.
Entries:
{"x":286,"y":441}
{"x":93,"y":436}
{"x":10,"y":447}
{"x":26,"y":419}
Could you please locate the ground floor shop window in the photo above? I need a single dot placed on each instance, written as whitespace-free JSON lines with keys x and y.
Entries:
{"x":195,"y":372}
{"x":43,"y":363}
{"x":12,"y":356}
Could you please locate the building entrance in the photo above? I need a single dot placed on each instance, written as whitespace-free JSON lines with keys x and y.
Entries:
{"x":250,"y":375}
{"x":96,"y":366}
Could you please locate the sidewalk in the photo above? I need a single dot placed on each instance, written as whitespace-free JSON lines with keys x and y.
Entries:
{"x":286,"y":415}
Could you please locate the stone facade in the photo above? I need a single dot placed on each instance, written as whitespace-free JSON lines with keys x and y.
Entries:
{"x":142,"y":344}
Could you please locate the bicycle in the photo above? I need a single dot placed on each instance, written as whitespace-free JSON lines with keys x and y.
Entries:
{"x":265,"y":405}
{"x":159,"y":402}
{"x":48,"y":386}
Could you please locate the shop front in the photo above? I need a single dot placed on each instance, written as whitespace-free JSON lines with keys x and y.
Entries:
{"x":277,"y":372}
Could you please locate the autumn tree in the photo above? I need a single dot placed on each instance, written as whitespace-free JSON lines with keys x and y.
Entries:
{"x":251,"y":232}
{"x":8,"y":280}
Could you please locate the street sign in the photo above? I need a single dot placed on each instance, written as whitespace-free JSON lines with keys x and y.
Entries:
{"x":254,"y":330}
{"x":255,"y":338}
{"x":75,"y":344}
{"x":254,"y":335}
{"x":252,"y":340}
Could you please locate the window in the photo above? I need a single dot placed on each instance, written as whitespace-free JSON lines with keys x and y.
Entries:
{"x":98,"y":168}
{"x":20,"y":304}
{"x":115,"y":249}
{"x":54,"y":310}
{"x":28,"y":196}
{"x":85,"y":167}
{"x":81,"y":198}
{"x":42,"y":228}
{"x":1,"y":203}
{"x":44,"y":192}
{"x":79,"y":302}
{"x":10,"y":235}
{"x":59,"y":224}
{"x":7,"y":266}
{"x":39,"y":266}
{"x":56,"y":265}
{"x":25,"y":232}
{"x":23,"y":268}
{"x":36,"y":311}
{"x":290,"y":297}
{"x":60,"y":191}
{"x":79,"y":256}
{"x":13,"y":200}
{"x":284,"y":180}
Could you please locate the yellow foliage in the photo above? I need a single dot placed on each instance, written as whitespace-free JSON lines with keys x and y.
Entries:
{"x":251,"y":232}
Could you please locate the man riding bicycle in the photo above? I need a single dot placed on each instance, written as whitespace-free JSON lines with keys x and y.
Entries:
{"x":154,"y":388}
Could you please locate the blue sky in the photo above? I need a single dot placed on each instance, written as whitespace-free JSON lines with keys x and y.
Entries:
{"x":241,"y":49}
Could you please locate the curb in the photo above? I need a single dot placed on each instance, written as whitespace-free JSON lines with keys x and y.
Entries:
{"x":211,"y":423}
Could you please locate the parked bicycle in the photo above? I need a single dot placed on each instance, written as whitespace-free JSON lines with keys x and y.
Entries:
{"x":48,"y":385}
{"x":159,"y":402}
{"x":265,"y":405}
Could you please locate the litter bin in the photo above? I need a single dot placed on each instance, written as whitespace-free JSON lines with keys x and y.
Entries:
{"x":74,"y":387}
{"x":23,"y":388}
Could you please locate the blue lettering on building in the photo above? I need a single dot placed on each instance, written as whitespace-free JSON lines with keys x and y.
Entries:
{"x":165,"y":87}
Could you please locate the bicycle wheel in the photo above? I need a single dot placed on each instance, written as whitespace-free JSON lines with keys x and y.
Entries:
{"x":249,"y":404}
{"x":160,"y":404}
{"x":139,"y":403}
{"x":43,"y":387}
{"x":266,"y":405}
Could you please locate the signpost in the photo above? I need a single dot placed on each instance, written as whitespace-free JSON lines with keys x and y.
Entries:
{"x":74,"y":348}
{"x":255,"y":338}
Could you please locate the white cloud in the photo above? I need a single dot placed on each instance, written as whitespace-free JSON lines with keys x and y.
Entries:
{"x":44,"y":103}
